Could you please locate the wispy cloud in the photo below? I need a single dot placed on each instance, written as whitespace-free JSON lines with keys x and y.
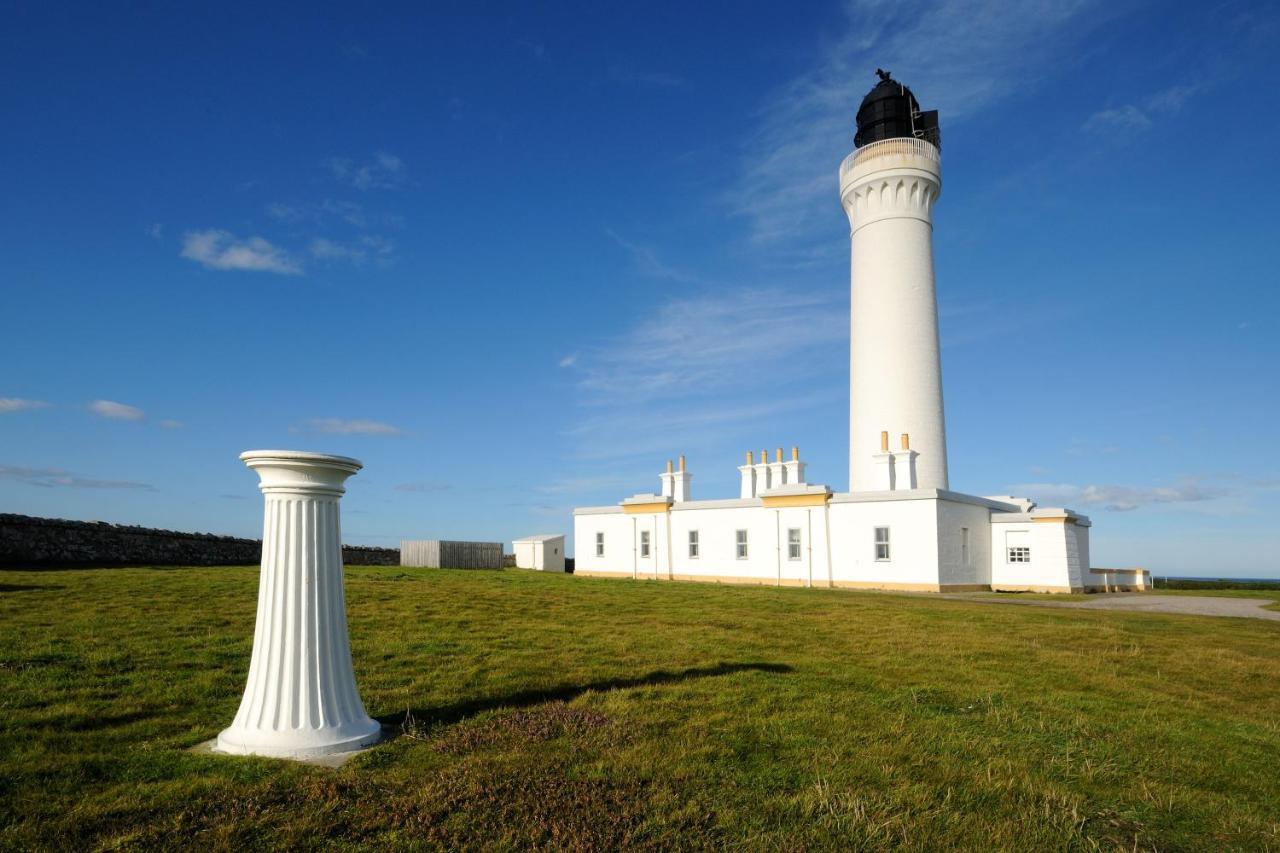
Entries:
{"x":58,"y":478}
{"x":634,"y":77}
{"x":569,"y":360}
{"x":384,"y":172}
{"x":960,"y":55}
{"x":341,"y":426}
{"x":18,"y":404}
{"x":1132,"y":118}
{"x":422,"y":487}
{"x":1124,"y":119}
{"x":169,"y":423}
{"x":365,"y":248}
{"x":646,"y":261}
{"x":332,"y":210}
{"x":116,"y":411}
{"x":1119,"y":498}
{"x":697,"y":362}
{"x":221,"y":250}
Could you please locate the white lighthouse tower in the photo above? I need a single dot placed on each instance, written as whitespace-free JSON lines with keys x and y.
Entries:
{"x":888,"y":186}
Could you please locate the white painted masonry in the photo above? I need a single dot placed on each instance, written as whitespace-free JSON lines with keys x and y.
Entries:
{"x":543,"y":553}
{"x":300,"y":700}
{"x":888,"y":190}
{"x":899,"y":526}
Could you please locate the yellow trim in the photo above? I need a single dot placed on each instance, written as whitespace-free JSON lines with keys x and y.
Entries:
{"x":1065,"y":519}
{"x":1004,"y":587}
{"x":778,"y":501}
{"x":637,"y":509}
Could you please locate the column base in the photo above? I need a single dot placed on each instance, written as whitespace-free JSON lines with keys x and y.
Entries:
{"x":299,"y":744}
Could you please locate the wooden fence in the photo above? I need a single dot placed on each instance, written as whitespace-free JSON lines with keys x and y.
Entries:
{"x":441,"y":553}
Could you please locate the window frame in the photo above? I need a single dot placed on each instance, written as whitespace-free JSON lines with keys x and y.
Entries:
{"x":695,"y":547}
{"x":599,"y":543}
{"x":646,"y":545}
{"x":878,"y":544}
{"x":795,"y":546}
{"x":741,"y":544}
{"x":1023,"y":554}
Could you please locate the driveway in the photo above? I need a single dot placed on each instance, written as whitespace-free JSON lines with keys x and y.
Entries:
{"x":1195,"y":605}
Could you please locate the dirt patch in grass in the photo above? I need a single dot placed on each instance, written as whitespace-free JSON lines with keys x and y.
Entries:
{"x":545,"y":722}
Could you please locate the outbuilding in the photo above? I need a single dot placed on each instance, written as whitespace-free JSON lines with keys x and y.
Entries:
{"x":544,"y":552}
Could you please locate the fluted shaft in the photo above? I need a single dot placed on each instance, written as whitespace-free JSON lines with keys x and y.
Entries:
{"x":301,"y":698}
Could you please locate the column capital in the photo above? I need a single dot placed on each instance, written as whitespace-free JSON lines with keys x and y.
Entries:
{"x":301,"y":472}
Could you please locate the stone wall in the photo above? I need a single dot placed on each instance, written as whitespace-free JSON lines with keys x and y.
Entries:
{"x":31,"y":542}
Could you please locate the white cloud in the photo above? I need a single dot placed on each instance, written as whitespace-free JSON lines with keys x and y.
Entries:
{"x":58,"y":478}
{"x":696,"y":362}
{"x":1119,"y":120}
{"x":1131,"y":118}
{"x":18,"y":404}
{"x":647,"y":263}
{"x":660,"y":79}
{"x":116,"y":411}
{"x":960,"y":56}
{"x":221,"y":250}
{"x":1117,"y":498}
{"x":569,"y":360}
{"x":350,"y":212}
{"x":366,"y":247}
{"x":385,"y":171}
{"x":341,"y":426}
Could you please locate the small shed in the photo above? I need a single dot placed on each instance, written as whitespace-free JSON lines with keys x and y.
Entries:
{"x":445,"y":554}
{"x":544,"y":552}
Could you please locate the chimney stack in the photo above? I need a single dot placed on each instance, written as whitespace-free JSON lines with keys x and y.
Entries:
{"x":748,"y":473}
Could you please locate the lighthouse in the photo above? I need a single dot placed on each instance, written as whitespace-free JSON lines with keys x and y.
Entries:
{"x":888,"y":187}
{"x":900,"y":525}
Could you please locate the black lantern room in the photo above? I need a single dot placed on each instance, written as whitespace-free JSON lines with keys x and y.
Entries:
{"x":890,"y":111}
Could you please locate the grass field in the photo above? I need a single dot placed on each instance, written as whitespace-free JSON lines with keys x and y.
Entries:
{"x":570,"y":712}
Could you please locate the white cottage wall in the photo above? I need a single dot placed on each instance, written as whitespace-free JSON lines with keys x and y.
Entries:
{"x":913,"y":543}
{"x":964,"y":545}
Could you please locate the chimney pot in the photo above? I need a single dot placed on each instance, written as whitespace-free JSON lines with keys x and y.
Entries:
{"x":795,"y":453}
{"x":906,"y":441}
{"x":884,"y":441}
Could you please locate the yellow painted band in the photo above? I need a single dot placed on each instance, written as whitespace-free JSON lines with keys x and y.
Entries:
{"x":777,"y":501}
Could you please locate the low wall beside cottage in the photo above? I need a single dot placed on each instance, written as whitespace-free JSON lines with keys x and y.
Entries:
{"x":30,"y":542}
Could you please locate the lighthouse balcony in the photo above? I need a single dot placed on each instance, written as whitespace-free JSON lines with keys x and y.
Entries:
{"x":891,"y":154}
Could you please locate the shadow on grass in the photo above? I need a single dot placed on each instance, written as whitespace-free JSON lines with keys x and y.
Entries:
{"x":450,"y":714}
{"x":27,"y":587}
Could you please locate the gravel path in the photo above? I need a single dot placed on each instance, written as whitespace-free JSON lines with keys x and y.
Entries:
{"x":1197,"y":605}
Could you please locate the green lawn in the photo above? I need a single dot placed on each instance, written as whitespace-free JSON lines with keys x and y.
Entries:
{"x":585,"y":713}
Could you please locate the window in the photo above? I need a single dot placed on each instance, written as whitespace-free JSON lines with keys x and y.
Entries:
{"x":1020,"y":554}
{"x":742,"y":544}
{"x":964,"y":547}
{"x":599,"y":544}
{"x":793,"y":543}
{"x":693,"y":544}
{"x":644,"y":543}
{"x":882,"y":543}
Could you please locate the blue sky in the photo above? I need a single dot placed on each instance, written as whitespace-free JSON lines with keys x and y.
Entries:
{"x":515,"y":260}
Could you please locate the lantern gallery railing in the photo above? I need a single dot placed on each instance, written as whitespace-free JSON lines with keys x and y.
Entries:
{"x":900,"y":147}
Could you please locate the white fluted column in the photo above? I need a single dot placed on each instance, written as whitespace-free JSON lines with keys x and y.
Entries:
{"x":301,"y":699}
